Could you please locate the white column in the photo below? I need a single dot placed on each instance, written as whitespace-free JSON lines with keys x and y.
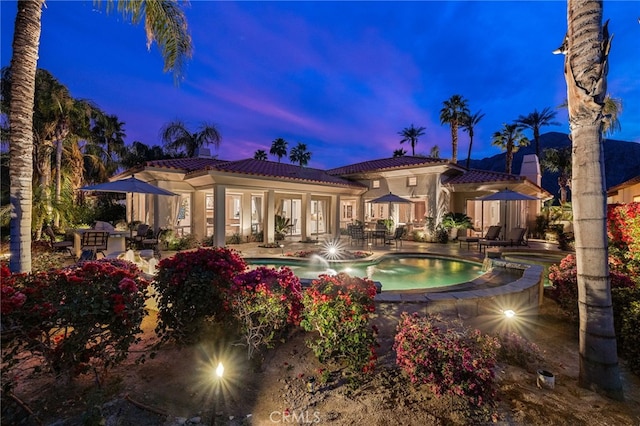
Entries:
{"x":335,"y":226}
{"x":245,"y":214}
{"x":219,"y":214}
{"x":269,"y":219}
{"x":305,"y":216}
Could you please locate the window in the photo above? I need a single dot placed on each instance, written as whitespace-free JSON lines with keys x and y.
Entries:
{"x":412,"y":181}
{"x":375,"y":184}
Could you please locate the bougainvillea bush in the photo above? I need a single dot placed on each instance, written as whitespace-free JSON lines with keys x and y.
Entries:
{"x":338,"y":309}
{"x":564,"y":279}
{"x":623,"y":229}
{"x":73,"y":320}
{"x":263,"y":302}
{"x":449,"y":360}
{"x":191,"y":288}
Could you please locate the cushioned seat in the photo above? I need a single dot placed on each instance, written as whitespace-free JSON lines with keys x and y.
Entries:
{"x":515,"y":237}
{"x":491,"y":235}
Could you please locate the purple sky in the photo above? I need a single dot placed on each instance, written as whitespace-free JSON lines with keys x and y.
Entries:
{"x":342,"y":77}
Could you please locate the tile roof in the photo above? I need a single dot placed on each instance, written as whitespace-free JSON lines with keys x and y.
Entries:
{"x":483,"y":176}
{"x":633,"y":181}
{"x":185,"y":164}
{"x":385,"y":164}
{"x":282,"y":171}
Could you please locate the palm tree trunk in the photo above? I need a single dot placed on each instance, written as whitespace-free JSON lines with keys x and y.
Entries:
{"x":469,"y":155}
{"x":454,"y":143}
{"x":26,"y":40}
{"x":58,"y":178}
{"x":585,"y":72}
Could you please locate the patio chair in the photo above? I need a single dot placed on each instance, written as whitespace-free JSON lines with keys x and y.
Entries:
{"x":64,"y":245}
{"x":152,"y":243}
{"x":396,"y":236}
{"x":135,"y":241}
{"x":515,"y":237}
{"x":92,"y":243}
{"x":492,"y":234}
{"x":358,"y":235}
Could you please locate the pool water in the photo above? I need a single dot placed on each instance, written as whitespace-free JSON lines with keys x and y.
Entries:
{"x":394,"y":272}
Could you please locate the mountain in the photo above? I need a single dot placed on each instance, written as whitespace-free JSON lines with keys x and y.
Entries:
{"x":622,"y":160}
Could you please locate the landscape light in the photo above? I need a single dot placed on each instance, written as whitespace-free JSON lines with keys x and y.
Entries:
{"x":509,"y":313}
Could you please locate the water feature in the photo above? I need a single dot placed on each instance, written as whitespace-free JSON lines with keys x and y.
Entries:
{"x":404,"y":272}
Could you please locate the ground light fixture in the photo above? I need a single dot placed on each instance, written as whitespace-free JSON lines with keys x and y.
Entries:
{"x":282,"y":248}
{"x":509,"y":313}
{"x":217,"y":383}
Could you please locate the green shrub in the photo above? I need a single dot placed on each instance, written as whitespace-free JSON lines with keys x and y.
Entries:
{"x":338,"y":309}
{"x":631,"y":333}
{"x":192,"y":288}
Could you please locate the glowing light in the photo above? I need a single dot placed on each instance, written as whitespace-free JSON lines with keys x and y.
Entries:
{"x":509,"y":313}
{"x":332,"y":250}
{"x":219,"y":370}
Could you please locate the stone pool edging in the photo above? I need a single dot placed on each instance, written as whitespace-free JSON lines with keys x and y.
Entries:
{"x":523,"y":295}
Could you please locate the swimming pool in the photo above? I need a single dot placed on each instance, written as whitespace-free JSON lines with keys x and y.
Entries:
{"x":543,"y":259}
{"x":406,"y":272}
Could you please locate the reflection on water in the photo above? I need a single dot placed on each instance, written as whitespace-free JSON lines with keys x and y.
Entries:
{"x":394,"y":273}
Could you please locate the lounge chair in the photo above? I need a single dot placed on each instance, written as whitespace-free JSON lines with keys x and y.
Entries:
{"x":492,"y":234}
{"x":515,"y":237}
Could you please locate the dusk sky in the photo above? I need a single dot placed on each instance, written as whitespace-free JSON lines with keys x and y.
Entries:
{"x":342,"y":77}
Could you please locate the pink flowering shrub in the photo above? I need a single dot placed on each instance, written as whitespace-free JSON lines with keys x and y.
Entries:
{"x":449,"y":361}
{"x":623,"y":230}
{"x":263,"y":302}
{"x":80,"y":318}
{"x":191,"y":288}
{"x":516,"y":350}
{"x":564,"y":279}
{"x":338,"y":309}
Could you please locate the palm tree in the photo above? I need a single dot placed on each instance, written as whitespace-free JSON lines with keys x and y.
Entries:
{"x":559,"y":161}
{"x":399,"y":153}
{"x":278,"y":148}
{"x":140,"y":153}
{"x":165,"y":23}
{"x":454,"y":112}
{"x":435,"y":152}
{"x":510,"y":139}
{"x":585,"y":71}
{"x":176,"y":137}
{"x":535,"y":121}
{"x":411,"y":135}
{"x":468,"y":125}
{"x":300,"y":155}
{"x":260,"y":154}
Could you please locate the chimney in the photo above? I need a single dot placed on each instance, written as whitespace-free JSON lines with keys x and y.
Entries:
{"x":531,"y":168}
{"x":204,"y":152}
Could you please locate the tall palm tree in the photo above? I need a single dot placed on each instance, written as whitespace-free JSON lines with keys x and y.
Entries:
{"x":300,"y":155}
{"x":585,"y":71}
{"x":535,"y":121}
{"x":176,"y":137}
{"x":260,"y":154}
{"x":454,"y":112}
{"x":468,"y":125}
{"x":278,"y":148}
{"x":435,"y":152}
{"x":140,"y":153}
{"x":411,"y":135}
{"x":510,"y":139}
{"x":26,"y":38}
{"x":399,"y":153}
{"x":165,"y":23}
{"x":559,"y":161}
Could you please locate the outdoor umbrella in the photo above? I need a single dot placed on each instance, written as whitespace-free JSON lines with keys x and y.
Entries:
{"x":505,"y":195}
{"x":391,"y":199}
{"x":128,"y":186}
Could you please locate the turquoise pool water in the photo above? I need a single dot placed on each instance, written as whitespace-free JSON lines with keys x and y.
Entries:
{"x":394,"y":272}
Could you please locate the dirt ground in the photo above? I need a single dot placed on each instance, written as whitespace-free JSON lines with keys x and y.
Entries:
{"x":176,"y":387}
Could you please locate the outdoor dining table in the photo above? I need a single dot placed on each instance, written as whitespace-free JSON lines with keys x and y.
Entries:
{"x":373,"y":235}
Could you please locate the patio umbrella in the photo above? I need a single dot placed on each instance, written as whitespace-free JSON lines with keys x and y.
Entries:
{"x":128,"y":186}
{"x":391,"y":199}
{"x":505,"y":195}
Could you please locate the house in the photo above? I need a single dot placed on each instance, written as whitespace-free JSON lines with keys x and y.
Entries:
{"x":243,"y":197}
{"x":626,"y":192}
